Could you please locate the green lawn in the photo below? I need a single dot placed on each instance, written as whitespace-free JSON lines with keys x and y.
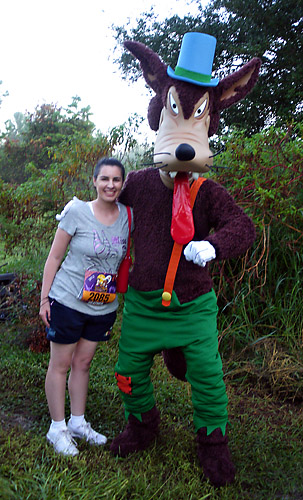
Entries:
{"x":266,"y":436}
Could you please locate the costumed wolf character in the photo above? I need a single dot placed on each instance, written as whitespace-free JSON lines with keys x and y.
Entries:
{"x":175,"y":310}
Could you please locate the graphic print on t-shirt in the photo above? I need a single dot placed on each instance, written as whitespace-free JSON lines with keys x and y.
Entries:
{"x":100,"y":279}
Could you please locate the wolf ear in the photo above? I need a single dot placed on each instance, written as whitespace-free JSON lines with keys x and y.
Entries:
{"x":236,"y":86}
{"x":154,"y":70}
{"x":155,"y":75}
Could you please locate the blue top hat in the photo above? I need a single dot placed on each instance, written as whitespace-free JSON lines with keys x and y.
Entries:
{"x":195,"y":60}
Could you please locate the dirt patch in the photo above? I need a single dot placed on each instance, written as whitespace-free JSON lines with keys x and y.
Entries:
{"x":9,"y":421}
{"x":271,"y":369}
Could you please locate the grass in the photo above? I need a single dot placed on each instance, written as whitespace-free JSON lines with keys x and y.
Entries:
{"x":261,"y":344}
{"x":266,"y":437}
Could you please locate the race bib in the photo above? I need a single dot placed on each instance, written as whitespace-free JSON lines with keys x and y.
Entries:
{"x":99,"y":287}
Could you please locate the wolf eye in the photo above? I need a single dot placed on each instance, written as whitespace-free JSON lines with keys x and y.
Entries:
{"x":199,"y":112}
{"x":173,"y":104}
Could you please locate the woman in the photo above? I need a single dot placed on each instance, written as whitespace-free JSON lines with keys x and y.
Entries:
{"x":78,"y":301}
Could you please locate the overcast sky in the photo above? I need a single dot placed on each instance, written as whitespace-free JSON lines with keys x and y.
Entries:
{"x":52,"y":51}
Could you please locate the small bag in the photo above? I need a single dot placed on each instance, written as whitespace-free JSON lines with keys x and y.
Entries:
{"x":123,"y":272}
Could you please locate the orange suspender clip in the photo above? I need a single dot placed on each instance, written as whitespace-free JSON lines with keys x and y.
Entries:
{"x":177,"y":250}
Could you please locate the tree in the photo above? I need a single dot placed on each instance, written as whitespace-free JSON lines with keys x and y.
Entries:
{"x":31,"y":139}
{"x":271,"y":30}
{"x":16,"y":127}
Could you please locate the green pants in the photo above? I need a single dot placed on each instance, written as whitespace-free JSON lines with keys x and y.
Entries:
{"x":148,"y":328}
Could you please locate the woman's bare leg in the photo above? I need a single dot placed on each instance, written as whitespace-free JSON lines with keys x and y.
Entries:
{"x":79,"y":375}
{"x":55,"y":381}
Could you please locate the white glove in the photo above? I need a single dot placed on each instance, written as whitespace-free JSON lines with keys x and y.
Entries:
{"x":200,"y":252}
{"x":66,"y":209}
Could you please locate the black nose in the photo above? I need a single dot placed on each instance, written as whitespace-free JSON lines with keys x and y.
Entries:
{"x":185,"y":152}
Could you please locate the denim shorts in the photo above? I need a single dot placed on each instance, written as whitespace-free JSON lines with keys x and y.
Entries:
{"x":67,"y":325}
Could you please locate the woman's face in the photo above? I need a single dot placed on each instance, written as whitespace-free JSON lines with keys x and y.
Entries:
{"x":108,"y":183}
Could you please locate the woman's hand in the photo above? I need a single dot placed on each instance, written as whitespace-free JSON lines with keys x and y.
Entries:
{"x":44,"y":312}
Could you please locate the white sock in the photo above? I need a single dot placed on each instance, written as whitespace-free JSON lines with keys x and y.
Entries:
{"x":77,"y":420}
{"x":59,"y":425}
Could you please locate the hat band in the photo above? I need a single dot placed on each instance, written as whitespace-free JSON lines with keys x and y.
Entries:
{"x":192,"y":75}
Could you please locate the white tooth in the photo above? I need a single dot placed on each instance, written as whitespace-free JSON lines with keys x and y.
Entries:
{"x":195,"y":175}
{"x":172,"y":174}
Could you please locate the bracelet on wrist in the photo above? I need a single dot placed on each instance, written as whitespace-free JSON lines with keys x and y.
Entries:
{"x":43,"y":301}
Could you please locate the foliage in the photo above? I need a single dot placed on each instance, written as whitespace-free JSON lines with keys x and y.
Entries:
{"x":16,"y":127}
{"x":29,"y":142}
{"x":28,"y":210}
{"x":260,"y":292}
{"x":271,"y":31}
{"x":264,"y":173}
{"x":123,"y":137}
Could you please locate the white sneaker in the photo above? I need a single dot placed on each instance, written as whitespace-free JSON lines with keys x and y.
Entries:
{"x":85,"y":431}
{"x":63,"y":442}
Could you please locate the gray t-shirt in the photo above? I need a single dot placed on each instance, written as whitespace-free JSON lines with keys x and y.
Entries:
{"x":93,"y":247}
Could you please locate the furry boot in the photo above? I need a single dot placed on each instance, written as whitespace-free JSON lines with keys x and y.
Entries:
{"x":214,"y":457}
{"x":137,"y":435}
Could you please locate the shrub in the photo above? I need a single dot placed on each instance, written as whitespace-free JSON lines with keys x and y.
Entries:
{"x":258,"y":292}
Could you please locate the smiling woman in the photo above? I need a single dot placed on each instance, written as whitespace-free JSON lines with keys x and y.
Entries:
{"x":78,"y":301}
{"x":108,"y":180}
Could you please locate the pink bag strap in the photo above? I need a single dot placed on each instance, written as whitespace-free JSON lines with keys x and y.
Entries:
{"x":129,"y":214}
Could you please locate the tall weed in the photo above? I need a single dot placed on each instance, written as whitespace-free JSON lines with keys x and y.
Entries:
{"x":260,"y":293}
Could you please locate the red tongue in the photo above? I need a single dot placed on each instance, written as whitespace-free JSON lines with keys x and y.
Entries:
{"x":182,"y":224}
